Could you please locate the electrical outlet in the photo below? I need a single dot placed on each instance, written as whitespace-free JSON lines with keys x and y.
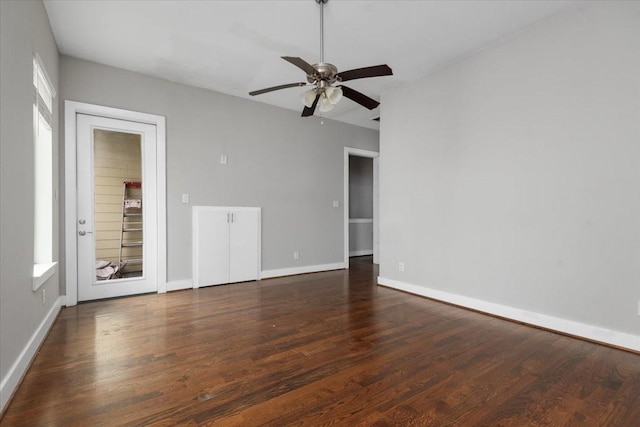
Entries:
{"x":296,"y":255}
{"x":401,"y":266}
{"x":44,"y":296}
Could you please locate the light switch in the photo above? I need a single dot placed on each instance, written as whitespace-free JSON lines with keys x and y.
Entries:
{"x":185,"y":198}
{"x":336,"y":203}
{"x":223,"y":160}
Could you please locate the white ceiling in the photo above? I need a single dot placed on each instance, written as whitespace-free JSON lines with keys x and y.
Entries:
{"x":235,"y":46}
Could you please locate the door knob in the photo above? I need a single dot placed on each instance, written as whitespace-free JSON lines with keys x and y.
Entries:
{"x":82,"y":232}
{"x":82,"y":221}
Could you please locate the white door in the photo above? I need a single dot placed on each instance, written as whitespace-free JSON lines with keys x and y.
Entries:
{"x":211,"y":246}
{"x":243,"y":245}
{"x":111,"y":262}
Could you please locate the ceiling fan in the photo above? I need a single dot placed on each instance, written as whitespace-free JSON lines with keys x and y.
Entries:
{"x":323,"y":77}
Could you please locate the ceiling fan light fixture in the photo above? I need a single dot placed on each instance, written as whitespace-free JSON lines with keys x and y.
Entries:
{"x":334,"y":94}
{"x":325,"y":105}
{"x":308,"y":97}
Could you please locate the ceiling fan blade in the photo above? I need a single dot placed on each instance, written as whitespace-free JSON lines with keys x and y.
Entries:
{"x":308,"y":111}
{"x":301,"y":63}
{"x":360,"y":98}
{"x":271,"y":89}
{"x":361,"y":73}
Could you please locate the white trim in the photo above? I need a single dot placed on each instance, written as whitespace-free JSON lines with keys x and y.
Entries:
{"x":360,"y":220}
{"x":70,"y":206}
{"x":72,"y":108}
{"x":348,"y":151}
{"x":42,"y":273}
{"x":268,"y":274}
{"x":177,"y":285}
{"x":376,"y":210}
{"x":161,"y":203}
{"x":590,"y":332}
{"x":11,"y":381}
{"x":47,"y":79}
{"x":361,"y":252}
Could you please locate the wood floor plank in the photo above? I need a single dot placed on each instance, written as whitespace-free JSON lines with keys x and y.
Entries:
{"x":328,"y":348}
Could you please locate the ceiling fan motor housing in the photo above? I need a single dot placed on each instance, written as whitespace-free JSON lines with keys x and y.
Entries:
{"x":325,"y":72}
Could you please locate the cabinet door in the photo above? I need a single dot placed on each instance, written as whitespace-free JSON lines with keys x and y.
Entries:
{"x":211,"y":247}
{"x":244,"y":245}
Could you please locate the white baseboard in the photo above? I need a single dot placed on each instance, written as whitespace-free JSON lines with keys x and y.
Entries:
{"x":267,"y":274}
{"x":590,"y":332}
{"x":11,"y":381}
{"x":176,"y":285}
{"x":361,"y":253}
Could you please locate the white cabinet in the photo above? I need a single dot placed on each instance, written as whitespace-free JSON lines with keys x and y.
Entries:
{"x":226,"y":245}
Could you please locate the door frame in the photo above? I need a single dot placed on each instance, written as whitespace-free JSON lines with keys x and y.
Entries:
{"x":375,"y":155}
{"x":71,"y":110}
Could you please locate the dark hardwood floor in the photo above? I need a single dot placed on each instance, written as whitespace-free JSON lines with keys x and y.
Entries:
{"x":319,"y":349}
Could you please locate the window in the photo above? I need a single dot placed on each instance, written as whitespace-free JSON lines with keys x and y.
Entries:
{"x":43,"y":95}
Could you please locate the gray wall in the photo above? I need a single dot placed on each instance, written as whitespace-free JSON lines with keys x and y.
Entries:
{"x":24,"y":30}
{"x":360,"y":204}
{"x":289,"y":166}
{"x":513,"y":175}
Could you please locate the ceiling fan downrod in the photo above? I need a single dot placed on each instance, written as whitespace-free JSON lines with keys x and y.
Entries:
{"x":322,"y":3}
{"x":325,"y":74}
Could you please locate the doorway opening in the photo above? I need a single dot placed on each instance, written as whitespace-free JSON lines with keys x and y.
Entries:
{"x":360,"y":204}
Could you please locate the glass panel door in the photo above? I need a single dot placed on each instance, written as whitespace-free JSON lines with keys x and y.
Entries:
{"x":117,"y":210}
{"x":118,"y":229}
